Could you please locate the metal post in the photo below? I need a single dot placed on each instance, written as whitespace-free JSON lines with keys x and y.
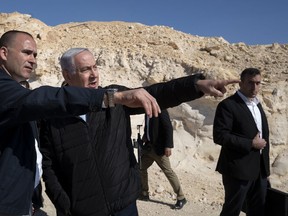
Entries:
{"x":139,"y":144}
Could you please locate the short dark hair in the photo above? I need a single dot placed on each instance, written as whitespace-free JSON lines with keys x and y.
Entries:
{"x":249,"y":72}
{"x":9,"y":36}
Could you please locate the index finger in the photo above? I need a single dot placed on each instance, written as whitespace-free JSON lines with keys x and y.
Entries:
{"x":231,"y":81}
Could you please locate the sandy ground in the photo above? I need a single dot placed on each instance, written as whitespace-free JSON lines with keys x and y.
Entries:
{"x":204,"y":195}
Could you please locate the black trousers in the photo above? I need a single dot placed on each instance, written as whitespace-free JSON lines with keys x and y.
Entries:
{"x":238,"y":192}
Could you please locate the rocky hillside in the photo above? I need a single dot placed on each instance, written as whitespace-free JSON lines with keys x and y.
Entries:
{"x":134,"y":54}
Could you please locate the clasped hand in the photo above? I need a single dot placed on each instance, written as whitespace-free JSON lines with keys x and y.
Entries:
{"x":258,"y":142}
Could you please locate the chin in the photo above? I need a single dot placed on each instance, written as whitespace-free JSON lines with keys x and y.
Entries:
{"x":27,"y":76}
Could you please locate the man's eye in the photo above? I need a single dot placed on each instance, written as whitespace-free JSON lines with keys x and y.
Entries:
{"x":83,"y":70}
{"x":88,"y":69}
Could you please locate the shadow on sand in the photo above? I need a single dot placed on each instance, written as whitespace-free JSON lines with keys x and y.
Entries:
{"x":172,"y":206}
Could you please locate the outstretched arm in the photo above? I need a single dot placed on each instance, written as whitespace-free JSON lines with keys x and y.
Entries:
{"x":170,"y":94}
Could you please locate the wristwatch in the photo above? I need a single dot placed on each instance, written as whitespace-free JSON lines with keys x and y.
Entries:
{"x":110,"y":96}
{"x":198,"y":76}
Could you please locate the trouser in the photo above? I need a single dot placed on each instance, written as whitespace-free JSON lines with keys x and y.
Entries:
{"x":130,"y":210}
{"x":30,"y":213}
{"x":13,"y":215}
{"x":239,"y":191}
{"x":147,"y":159}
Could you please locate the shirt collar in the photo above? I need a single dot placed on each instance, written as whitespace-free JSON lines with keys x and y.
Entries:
{"x":246,"y":100}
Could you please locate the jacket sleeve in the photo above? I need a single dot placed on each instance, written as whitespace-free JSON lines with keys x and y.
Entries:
{"x":19,"y":105}
{"x":174,"y":92}
{"x":177,"y":91}
{"x":54,"y":190}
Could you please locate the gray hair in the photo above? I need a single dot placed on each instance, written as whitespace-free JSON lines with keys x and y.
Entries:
{"x":67,"y":59}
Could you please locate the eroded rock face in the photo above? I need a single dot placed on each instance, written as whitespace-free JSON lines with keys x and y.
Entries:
{"x":133,"y":54}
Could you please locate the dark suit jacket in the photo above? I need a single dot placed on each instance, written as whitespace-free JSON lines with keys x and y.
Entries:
{"x":160,"y":132}
{"x":234,"y":129}
{"x":20,"y":106}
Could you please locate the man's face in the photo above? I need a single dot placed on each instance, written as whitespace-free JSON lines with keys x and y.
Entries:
{"x":86,"y":74}
{"x":20,"y":57}
{"x":250,"y":86}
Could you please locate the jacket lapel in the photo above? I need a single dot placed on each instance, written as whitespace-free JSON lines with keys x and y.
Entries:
{"x":243,"y":106}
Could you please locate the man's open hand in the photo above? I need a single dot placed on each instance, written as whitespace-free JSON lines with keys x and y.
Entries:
{"x":138,"y":98}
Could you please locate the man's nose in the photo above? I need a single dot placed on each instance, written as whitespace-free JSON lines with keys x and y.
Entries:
{"x":94,"y":71}
{"x":33,"y":60}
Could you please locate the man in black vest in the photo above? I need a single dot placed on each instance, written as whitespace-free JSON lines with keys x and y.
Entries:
{"x":89,"y":167}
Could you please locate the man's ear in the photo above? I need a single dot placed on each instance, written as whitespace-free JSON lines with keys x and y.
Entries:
{"x":66,"y":76}
{"x":240,"y":84}
{"x":3,"y":52}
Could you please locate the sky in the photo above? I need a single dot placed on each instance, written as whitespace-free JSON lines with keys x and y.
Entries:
{"x":253,"y":22}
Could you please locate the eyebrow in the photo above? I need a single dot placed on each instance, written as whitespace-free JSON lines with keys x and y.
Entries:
{"x":257,"y":82}
{"x":28,"y":51}
{"x":84,"y":68}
